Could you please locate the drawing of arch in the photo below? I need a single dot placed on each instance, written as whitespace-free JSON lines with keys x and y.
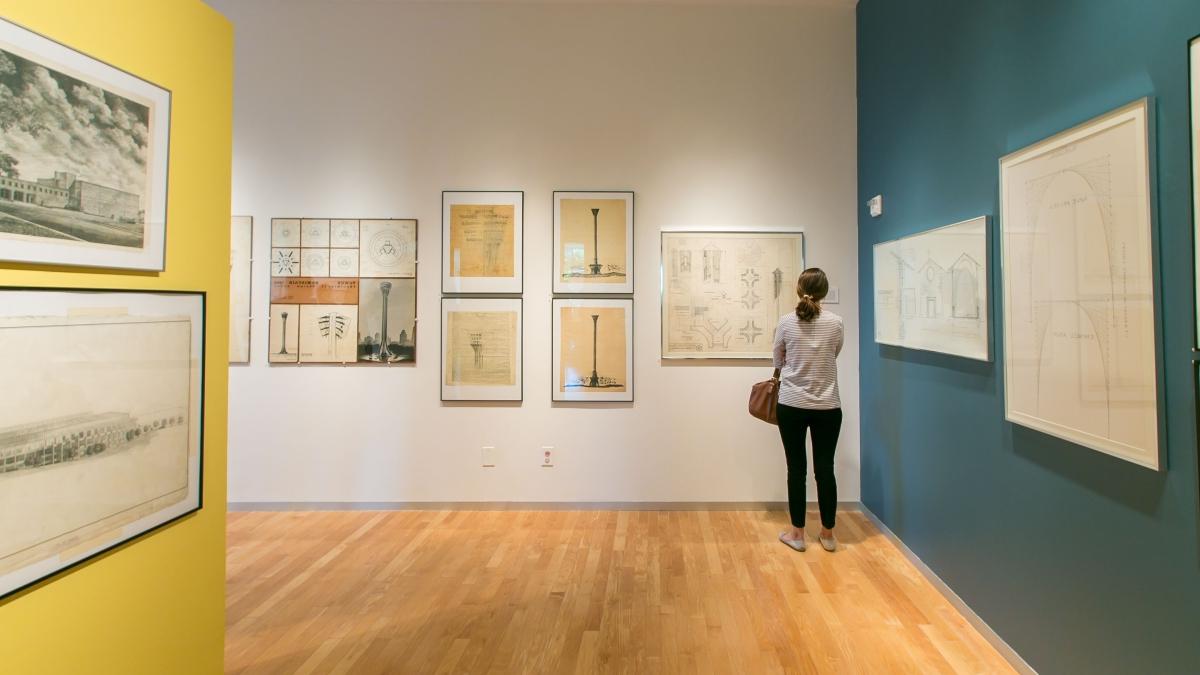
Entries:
{"x":964,"y":293}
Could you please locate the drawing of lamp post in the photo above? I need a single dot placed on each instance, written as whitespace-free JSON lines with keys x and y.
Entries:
{"x":283,"y":337}
{"x":595,"y":266}
{"x":385,"y":287}
{"x":477,"y":347}
{"x":594,"y":380}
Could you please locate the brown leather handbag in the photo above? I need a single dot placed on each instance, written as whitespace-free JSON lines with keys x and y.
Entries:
{"x":764,"y":397}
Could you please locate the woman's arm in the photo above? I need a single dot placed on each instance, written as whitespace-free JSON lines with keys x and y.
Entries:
{"x":779,"y":352}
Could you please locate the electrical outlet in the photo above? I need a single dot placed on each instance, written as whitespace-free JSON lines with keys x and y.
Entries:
{"x":488,"y":455}
{"x":548,"y":456}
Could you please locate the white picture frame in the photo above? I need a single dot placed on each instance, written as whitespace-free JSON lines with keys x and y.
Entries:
{"x":1194,"y":88}
{"x":482,"y":357}
{"x":931,"y":291}
{"x":482,"y":241}
{"x":707,"y":311}
{"x":97,"y":201}
{"x":1079,"y":317}
{"x":611,"y":370}
{"x":594,"y":222}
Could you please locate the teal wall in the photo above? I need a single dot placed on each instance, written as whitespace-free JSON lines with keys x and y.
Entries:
{"x":1082,"y":562}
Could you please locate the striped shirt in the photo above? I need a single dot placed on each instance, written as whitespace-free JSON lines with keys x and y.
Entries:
{"x":806,"y":354}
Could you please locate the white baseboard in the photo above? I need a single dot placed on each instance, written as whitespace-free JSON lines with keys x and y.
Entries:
{"x":1014,"y":659}
{"x":519,"y":506}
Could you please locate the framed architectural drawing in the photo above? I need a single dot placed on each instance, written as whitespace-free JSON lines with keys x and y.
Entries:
{"x":1079,"y":318}
{"x":241,"y":242}
{"x":1194,"y":71}
{"x":481,"y":349}
{"x":593,"y":242}
{"x":931,"y":290}
{"x":482,"y":234}
{"x":723,"y":292}
{"x":83,"y":158}
{"x":100,"y":422}
{"x":593,"y":349}
{"x":343,"y":291}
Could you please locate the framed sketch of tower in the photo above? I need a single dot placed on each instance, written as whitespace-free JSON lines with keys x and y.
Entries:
{"x":83,"y":158}
{"x":723,"y":292}
{"x":1194,"y":84}
{"x":100,"y":422}
{"x":343,"y":290}
{"x":482,"y":235}
{"x":1080,"y":329}
{"x":593,"y":349}
{"x":593,"y":242}
{"x":481,"y":349}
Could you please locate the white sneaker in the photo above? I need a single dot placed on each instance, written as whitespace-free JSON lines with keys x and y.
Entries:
{"x":794,"y":544}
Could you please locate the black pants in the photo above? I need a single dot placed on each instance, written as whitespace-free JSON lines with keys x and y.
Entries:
{"x":794,"y":424}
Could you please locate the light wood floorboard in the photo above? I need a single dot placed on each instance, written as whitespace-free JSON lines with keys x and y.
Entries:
{"x":580,"y":592}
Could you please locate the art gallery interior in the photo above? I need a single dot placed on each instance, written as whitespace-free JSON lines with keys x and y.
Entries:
{"x":398,"y":336}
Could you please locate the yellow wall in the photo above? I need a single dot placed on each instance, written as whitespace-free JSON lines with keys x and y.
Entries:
{"x":155,"y":605}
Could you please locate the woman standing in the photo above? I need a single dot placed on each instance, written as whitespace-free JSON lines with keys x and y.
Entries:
{"x":807,"y":343}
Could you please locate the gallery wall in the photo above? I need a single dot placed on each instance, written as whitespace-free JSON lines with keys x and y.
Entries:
{"x":1082,"y":562}
{"x":717,"y":117}
{"x":155,"y":604}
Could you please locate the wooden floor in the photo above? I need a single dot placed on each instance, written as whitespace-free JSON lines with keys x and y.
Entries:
{"x":579,"y":592}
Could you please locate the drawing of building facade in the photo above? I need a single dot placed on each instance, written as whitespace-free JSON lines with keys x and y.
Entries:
{"x":66,"y":191}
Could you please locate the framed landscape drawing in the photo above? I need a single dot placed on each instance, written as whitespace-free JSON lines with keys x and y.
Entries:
{"x":723,"y":292}
{"x":100,"y":422}
{"x":83,"y":158}
{"x":241,"y":242}
{"x":593,"y":349}
{"x":343,"y":290}
{"x":931,"y":290}
{"x":1079,"y":319}
{"x":593,"y":242}
{"x":482,"y":235}
{"x":481,"y":349}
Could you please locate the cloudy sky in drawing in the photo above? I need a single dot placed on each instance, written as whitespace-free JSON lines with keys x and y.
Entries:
{"x":53,"y":122}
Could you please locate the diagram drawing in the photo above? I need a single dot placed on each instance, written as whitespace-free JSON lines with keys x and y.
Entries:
{"x":723,"y":292}
{"x":593,"y":343}
{"x":1079,"y":320}
{"x":592,"y":236}
{"x":931,"y":290}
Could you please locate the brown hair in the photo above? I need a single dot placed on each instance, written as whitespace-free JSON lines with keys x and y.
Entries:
{"x":811,"y":287}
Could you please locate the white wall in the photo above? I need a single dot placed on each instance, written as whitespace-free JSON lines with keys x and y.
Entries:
{"x":716,"y":117}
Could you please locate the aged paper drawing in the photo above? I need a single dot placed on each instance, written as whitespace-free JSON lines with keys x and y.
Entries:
{"x":1079,"y":320}
{"x":343,"y":262}
{"x":592,"y":236}
{"x":284,"y":334}
{"x":343,"y":233}
{"x":387,"y":320}
{"x":83,"y":158}
{"x":285,"y":233}
{"x":285,"y":262}
{"x":314,"y":262}
{"x":328,"y":333}
{"x":314,"y":233}
{"x":481,"y":348}
{"x":388,"y":248}
{"x":241,"y":234}
{"x":482,"y":240}
{"x":723,"y":292}
{"x":593,"y":342}
{"x":99,"y":435}
{"x":931,"y":290}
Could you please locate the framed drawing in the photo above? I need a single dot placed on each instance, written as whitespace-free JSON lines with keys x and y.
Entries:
{"x":83,"y":158}
{"x":593,"y":349}
{"x":1194,"y":71}
{"x":482,"y":235}
{"x":481,"y":349}
{"x":931,"y":290}
{"x":1079,"y":319}
{"x":343,"y":291}
{"x":100,"y":422}
{"x":241,"y":243}
{"x":723,"y":292}
{"x":593,"y":242}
